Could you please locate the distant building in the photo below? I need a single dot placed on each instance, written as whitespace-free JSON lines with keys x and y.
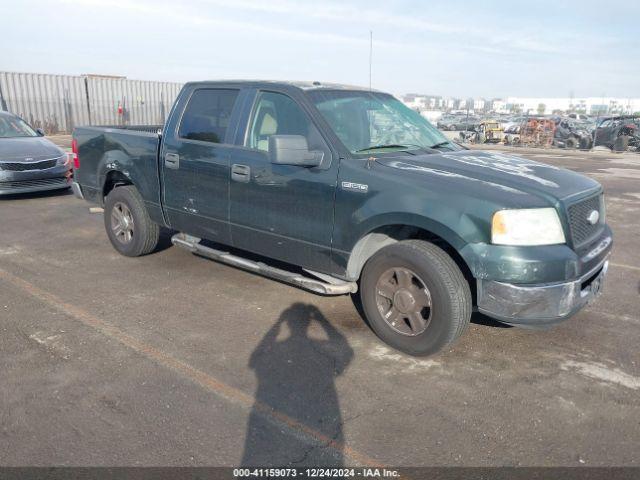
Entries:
{"x":588,"y":105}
{"x":478,"y":104}
{"x":525,"y":105}
{"x":498,"y":106}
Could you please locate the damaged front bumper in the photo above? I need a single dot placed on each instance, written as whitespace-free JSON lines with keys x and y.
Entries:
{"x":539,"y":305}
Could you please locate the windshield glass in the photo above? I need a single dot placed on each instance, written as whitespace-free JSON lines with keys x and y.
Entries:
{"x":15,"y":127}
{"x":373,"y":120}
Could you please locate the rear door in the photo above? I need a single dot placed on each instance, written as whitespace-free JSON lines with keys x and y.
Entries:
{"x":282,"y":211}
{"x":195,"y":162}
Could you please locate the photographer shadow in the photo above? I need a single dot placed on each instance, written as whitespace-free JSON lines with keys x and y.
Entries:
{"x":296,"y":378}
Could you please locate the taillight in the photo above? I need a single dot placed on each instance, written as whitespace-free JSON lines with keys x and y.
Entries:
{"x":74,"y":150}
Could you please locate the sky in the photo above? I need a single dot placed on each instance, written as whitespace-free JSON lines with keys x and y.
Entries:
{"x":450,"y":48}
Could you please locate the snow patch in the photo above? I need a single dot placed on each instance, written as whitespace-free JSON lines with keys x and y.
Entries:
{"x":599,"y":371}
{"x":383,"y":353}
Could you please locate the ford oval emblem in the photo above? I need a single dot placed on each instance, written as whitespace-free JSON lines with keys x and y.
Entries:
{"x":593,"y":217}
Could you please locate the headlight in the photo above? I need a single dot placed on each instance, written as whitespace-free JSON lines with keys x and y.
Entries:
{"x":530,"y":226}
{"x":63,"y":160}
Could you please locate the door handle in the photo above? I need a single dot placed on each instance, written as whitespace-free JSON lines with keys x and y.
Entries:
{"x":240,"y":173}
{"x":172,"y":160}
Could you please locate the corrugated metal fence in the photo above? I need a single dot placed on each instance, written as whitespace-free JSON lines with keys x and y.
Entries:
{"x":57,"y":103}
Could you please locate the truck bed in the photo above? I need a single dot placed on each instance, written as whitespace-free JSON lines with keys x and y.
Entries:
{"x":131,"y":150}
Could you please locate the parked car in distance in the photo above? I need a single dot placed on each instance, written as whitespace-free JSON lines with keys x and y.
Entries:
{"x":448,"y":122}
{"x":512,"y":134}
{"x":487,"y":131}
{"x":510,"y":122}
{"x":619,"y":133}
{"x":466,"y":123}
{"x":340,"y":190}
{"x":579,"y":116}
{"x":29,"y":162}
{"x":572,"y":133}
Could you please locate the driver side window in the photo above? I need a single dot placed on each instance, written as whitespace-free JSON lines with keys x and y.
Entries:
{"x":278,"y":114}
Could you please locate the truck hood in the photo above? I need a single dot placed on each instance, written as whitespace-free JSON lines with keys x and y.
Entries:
{"x":28,"y":149}
{"x":509,"y":173}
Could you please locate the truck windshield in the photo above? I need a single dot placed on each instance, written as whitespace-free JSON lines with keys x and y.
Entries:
{"x":15,"y":127}
{"x":374,"y":121}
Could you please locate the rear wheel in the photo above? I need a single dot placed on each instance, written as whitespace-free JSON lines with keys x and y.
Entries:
{"x":415,"y":297}
{"x":621,"y":144}
{"x":131,"y":231}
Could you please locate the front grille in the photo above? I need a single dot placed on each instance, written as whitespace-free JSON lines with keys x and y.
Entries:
{"x":581,"y":230}
{"x":21,"y":167}
{"x":44,"y":182}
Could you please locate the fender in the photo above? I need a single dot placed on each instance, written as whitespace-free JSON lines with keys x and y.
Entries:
{"x":113,"y":161}
{"x":389,"y":228}
{"x":119,"y":163}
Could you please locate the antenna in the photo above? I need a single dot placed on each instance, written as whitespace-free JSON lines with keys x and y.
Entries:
{"x":370,"y":55}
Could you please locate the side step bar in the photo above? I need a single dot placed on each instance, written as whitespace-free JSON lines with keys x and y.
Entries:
{"x":332,"y":286}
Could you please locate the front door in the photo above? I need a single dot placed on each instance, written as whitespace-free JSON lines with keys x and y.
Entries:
{"x":603,"y":133}
{"x":282,"y":211}
{"x":195,"y":165}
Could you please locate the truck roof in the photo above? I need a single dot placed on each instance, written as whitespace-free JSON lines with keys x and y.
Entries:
{"x":302,"y":85}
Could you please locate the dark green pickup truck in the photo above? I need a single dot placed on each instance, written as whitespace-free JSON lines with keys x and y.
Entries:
{"x":341,"y":190}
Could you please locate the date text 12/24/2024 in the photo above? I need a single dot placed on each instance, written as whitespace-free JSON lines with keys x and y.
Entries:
{"x":315,"y":472}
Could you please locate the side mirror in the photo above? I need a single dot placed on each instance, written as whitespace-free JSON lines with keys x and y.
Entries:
{"x":292,"y":150}
{"x":40,"y":132}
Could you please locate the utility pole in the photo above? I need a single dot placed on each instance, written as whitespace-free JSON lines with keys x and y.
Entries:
{"x":3,"y":104}
{"x":370,"y":55}
{"x":595,"y":131}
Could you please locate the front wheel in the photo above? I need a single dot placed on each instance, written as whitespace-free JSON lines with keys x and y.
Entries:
{"x":131,"y":231}
{"x":571,"y":143}
{"x":415,"y":297}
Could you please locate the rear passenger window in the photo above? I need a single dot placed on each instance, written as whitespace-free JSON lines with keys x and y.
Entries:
{"x":207,"y":115}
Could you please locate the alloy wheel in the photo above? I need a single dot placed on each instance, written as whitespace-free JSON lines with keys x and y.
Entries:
{"x":122,"y":222}
{"x":404,"y":301}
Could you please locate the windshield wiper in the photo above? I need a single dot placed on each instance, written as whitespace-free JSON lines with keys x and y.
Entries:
{"x":441,"y":144}
{"x":390,"y":145}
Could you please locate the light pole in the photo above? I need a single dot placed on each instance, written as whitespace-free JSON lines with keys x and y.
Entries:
{"x":370,"y":55}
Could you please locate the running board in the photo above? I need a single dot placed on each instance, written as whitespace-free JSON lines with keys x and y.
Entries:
{"x":332,"y":285}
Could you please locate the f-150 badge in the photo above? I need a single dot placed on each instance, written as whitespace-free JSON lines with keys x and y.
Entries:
{"x":355,"y":187}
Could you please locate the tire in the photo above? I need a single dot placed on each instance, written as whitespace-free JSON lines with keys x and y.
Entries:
{"x":570,"y":143}
{"x":137,"y":234}
{"x":396,"y":321}
{"x":621,"y":143}
{"x":585,"y":143}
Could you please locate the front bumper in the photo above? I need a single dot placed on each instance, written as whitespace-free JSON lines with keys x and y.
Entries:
{"x":12,"y":182}
{"x":30,"y":186}
{"x":539,"y":305}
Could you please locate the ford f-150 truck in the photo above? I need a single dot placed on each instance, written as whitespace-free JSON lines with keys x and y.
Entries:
{"x":340,"y":190}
